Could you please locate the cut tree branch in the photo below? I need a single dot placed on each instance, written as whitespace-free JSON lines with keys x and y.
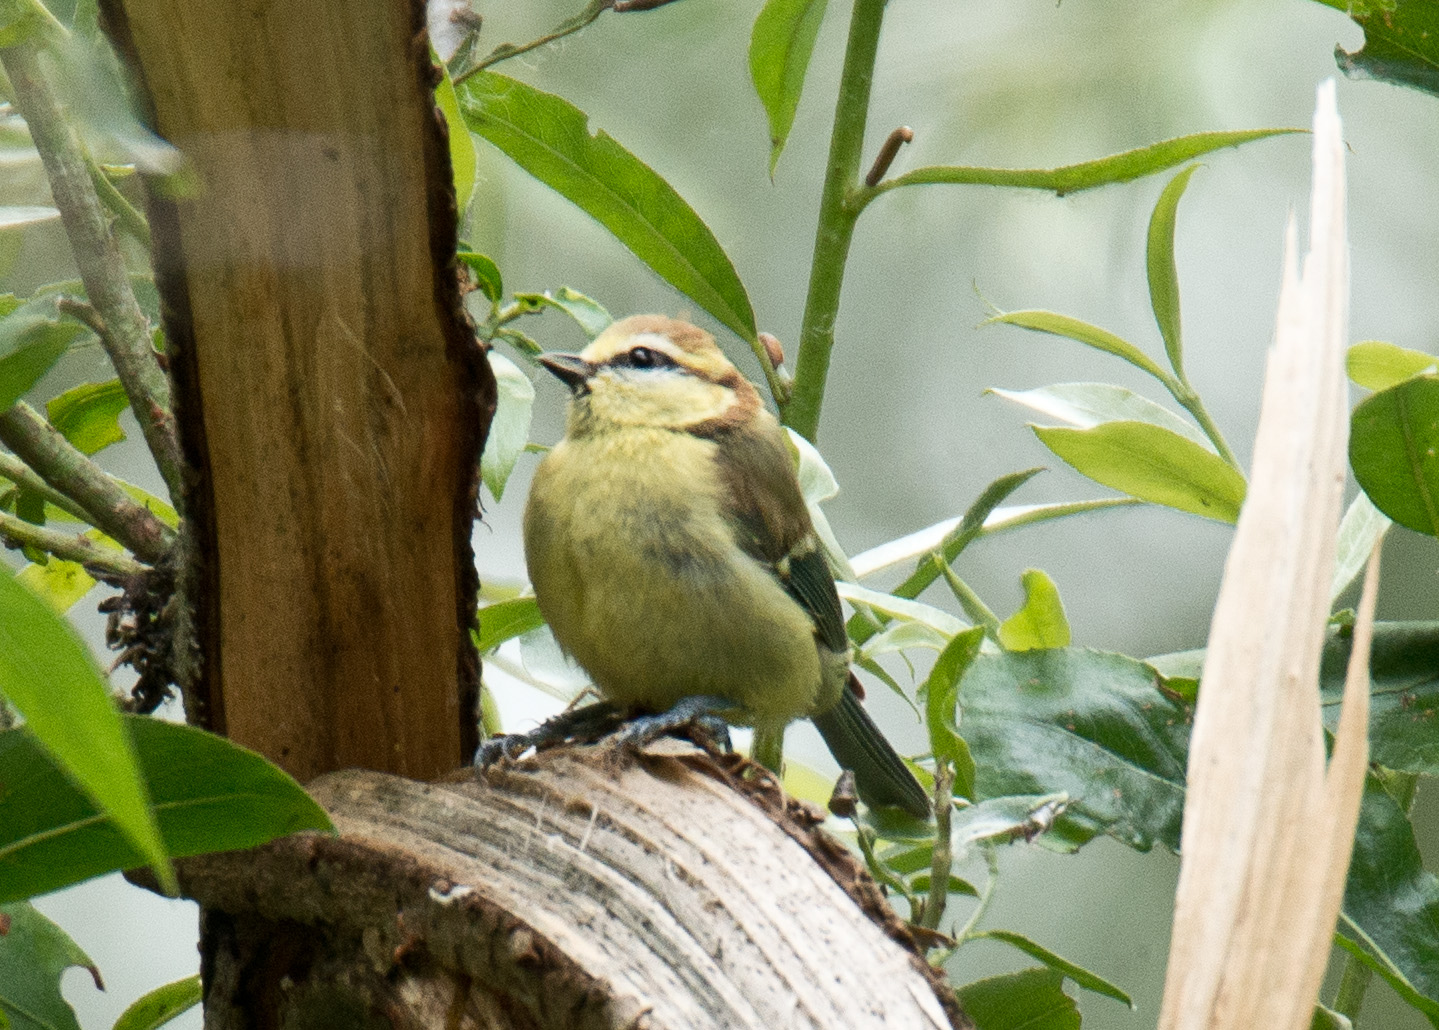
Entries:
{"x":97,"y":253}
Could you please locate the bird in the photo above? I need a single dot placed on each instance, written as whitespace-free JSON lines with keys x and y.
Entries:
{"x":673,"y":556}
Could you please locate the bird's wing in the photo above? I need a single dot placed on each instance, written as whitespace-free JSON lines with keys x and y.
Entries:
{"x":763,"y":503}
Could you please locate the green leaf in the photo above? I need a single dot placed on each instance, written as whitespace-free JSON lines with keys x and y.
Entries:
{"x":1032,"y":999}
{"x":590,"y":314}
{"x":487,"y":274}
{"x":506,"y":619}
{"x":161,"y":1005}
{"x":1081,"y":976}
{"x":88,"y":415}
{"x":1153,"y":464}
{"x":549,"y":138}
{"x":1328,"y":1019}
{"x":779,"y":52}
{"x":209,"y":795}
{"x":1388,"y":972}
{"x":510,"y":428}
{"x":1081,"y":332}
{"x":1125,"y":167}
{"x":901,"y":608}
{"x":47,"y":674}
{"x":1163,"y":276}
{"x":1088,"y":404}
{"x":1362,"y":526}
{"x":1403,"y":693}
{"x":939,"y":693}
{"x":1003,"y":820}
{"x":34,"y":954}
{"x":18,"y":216}
{"x":462,"y":147}
{"x":1394,"y":451}
{"x":32,"y":338}
{"x":1376,"y":365}
{"x":1092,"y":725}
{"x":1040,"y":622}
{"x":1391,"y":903}
{"x":60,"y":584}
{"x":1401,"y":42}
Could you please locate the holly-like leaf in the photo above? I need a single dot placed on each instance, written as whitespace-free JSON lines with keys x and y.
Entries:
{"x":1152,"y":464}
{"x":779,"y":51}
{"x":208,"y":795}
{"x":1401,"y":42}
{"x":1032,"y":999}
{"x":1394,"y":451}
{"x":88,"y":415}
{"x":510,"y":428}
{"x":550,"y":138}
{"x":34,"y":954}
{"x":1403,"y":693}
{"x":1040,"y":621}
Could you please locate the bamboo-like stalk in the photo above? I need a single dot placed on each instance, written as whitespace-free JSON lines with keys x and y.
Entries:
{"x":1267,"y":831}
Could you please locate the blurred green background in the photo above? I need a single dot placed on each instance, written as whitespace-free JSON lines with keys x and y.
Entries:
{"x":907,"y":427}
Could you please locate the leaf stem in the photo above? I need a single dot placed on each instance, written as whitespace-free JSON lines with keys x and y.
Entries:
{"x":127,"y":217}
{"x":991,"y":859}
{"x":74,"y":547}
{"x":97,"y":253}
{"x":864,"y":837}
{"x":979,"y":612}
{"x":837,"y":216}
{"x":1190,"y":399}
{"x":568,"y":27}
{"x":941,"y":859}
{"x":108,"y":507}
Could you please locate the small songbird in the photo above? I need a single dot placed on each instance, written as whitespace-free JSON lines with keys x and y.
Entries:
{"x":673,"y":557}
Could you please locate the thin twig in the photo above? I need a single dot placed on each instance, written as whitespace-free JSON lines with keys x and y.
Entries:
{"x":568,"y":27}
{"x":112,"y":565}
{"x":887,"y":152}
{"x":15,"y":470}
{"x":991,"y":859}
{"x":941,"y":858}
{"x":109,"y":508}
{"x":973,"y":606}
{"x":127,"y":216}
{"x":97,"y":253}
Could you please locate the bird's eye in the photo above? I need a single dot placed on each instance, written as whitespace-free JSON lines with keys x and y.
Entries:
{"x":643,"y":357}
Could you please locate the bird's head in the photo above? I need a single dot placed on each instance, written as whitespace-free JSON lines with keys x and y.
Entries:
{"x":653,"y":371}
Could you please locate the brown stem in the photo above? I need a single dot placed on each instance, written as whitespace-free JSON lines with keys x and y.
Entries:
{"x":111,"y":565}
{"x":97,"y":253}
{"x":109,"y":508}
{"x":896,"y":139}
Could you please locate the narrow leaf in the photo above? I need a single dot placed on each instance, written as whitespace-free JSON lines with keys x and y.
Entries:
{"x":1152,"y":464}
{"x":510,"y":428}
{"x":1125,"y":167}
{"x":549,"y":138}
{"x":1084,"y":405}
{"x":505,"y":620}
{"x":34,"y":954}
{"x":1032,"y":999}
{"x":209,"y":795}
{"x":1376,"y":365}
{"x":1394,"y":451}
{"x":589,"y":314}
{"x":939,"y":697}
{"x":487,"y":274}
{"x":901,"y":608}
{"x":161,"y":1005}
{"x":1362,"y":527}
{"x":779,"y":51}
{"x":1081,"y":976}
{"x":88,"y":415}
{"x":1163,"y":276}
{"x":1081,"y":332}
{"x":1041,"y":621}
{"x":462,"y":147}
{"x":47,"y":674}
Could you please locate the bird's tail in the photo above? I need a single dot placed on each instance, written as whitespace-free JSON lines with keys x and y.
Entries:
{"x":880,"y":775}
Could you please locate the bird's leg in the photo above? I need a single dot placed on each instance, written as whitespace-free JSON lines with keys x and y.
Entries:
{"x":700,"y":710}
{"x":587,"y":723}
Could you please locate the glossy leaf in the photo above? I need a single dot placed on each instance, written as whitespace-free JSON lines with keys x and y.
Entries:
{"x":1361,"y":528}
{"x":1040,"y":621}
{"x":1401,"y":42}
{"x":462,"y":147}
{"x":589,"y":314}
{"x":1376,"y":365}
{"x":208,"y":795}
{"x":88,"y":415}
{"x":32,"y":338}
{"x":34,"y":954}
{"x":1078,"y":974}
{"x":1084,"y":405}
{"x":1394,"y":451}
{"x":1032,"y":999}
{"x":549,"y":138}
{"x":1003,"y":820}
{"x":506,"y":620}
{"x":487,"y":274}
{"x":161,"y":1005}
{"x":1403,"y":696}
{"x":49,"y":677}
{"x":1081,"y":332}
{"x":510,"y":428}
{"x":1152,"y":464}
{"x":1089,"y":724}
{"x":1163,"y":276}
{"x":939,"y":693}
{"x":1125,"y":167}
{"x":779,"y":51}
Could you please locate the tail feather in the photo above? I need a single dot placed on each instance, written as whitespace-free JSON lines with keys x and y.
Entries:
{"x":880,"y":775}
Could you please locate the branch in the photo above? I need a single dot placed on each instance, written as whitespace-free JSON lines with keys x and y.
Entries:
{"x":97,"y":253}
{"x":111,"y":565}
{"x":15,"y":470}
{"x":109,"y":508}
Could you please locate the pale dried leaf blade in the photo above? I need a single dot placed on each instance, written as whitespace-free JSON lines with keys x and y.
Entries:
{"x":1251,"y":912}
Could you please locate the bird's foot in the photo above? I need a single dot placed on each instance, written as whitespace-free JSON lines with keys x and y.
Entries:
{"x":697,"y":713}
{"x":586,"y":724}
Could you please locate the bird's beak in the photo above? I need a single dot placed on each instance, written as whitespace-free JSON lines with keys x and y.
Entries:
{"x":571,"y":369}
